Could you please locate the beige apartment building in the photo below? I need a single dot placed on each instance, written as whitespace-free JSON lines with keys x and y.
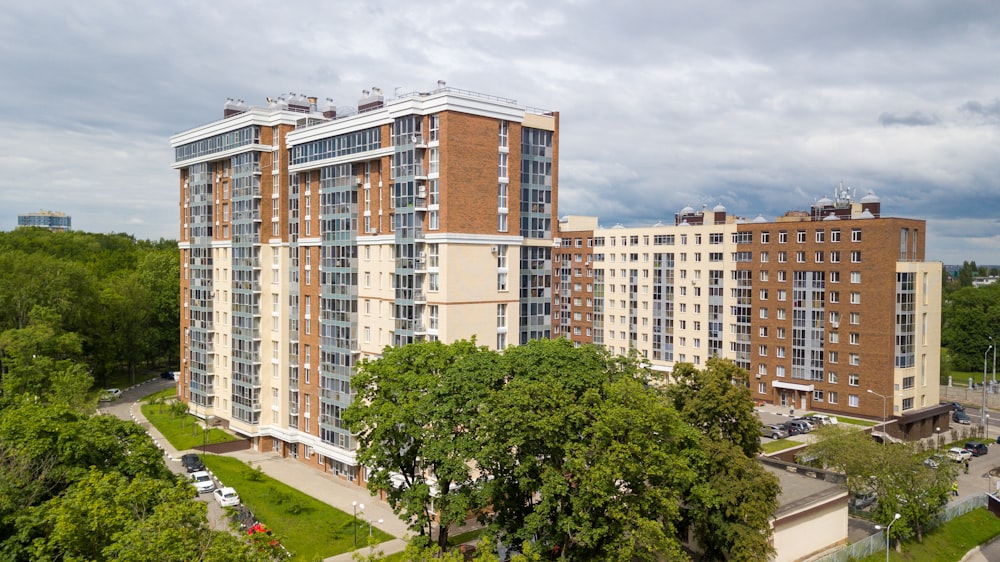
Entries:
{"x":311,"y":239}
{"x":833,"y":309}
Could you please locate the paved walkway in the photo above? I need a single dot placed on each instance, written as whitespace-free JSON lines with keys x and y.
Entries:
{"x":326,"y":488}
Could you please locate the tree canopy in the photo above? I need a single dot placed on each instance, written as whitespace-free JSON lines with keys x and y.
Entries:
{"x":562,"y":450}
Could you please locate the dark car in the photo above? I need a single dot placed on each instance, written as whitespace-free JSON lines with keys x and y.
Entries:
{"x":791,"y":428}
{"x":977,"y":448}
{"x":802,"y":425}
{"x":955,"y":406}
{"x":960,"y":417}
{"x":192,"y":462}
{"x":169,"y":375}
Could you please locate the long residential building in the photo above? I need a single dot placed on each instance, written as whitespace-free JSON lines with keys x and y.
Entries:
{"x":311,"y":239}
{"x":833,"y":309}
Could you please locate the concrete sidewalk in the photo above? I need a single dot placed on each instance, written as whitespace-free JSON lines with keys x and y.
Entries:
{"x":325,"y":488}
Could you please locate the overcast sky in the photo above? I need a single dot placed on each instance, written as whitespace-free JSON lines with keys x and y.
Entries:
{"x":761,"y":106}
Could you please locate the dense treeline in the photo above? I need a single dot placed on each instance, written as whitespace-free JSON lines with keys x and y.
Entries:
{"x":75,"y":485}
{"x":969,"y":317}
{"x":118,"y":295}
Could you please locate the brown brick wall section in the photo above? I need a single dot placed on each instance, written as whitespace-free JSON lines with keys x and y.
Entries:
{"x":880,"y":250}
{"x":468,"y":181}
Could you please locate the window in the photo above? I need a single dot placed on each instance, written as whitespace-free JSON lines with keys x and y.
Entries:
{"x":831,"y":377}
{"x":855,"y":359}
{"x":763,"y":275}
{"x":503,"y":134}
{"x":800,"y":257}
{"x":853,"y":379}
{"x":433,"y":282}
{"x":433,"y":220}
{"x":782,"y":236}
{"x":782,"y":276}
{"x":762,"y":388}
{"x":832,"y":357}
{"x":818,"y":257}
{"x":855,"y":318}
{"x":855,"y":297}
{"x":781,"y":333}
{"x":835,"y":256}
{"x":835,"y":235}
{"x":855,"y":256}
{"x":834,"y":337}
{"x":831,"y":397}
{"x":834,"y":277}
{"x":434,"y":125}
{"x":907,"y":403}
{"x":433,"y":157}
{"x":780,"y":352}
{"x":764,"y":257}
{"x":782,"y":257}
{"x":855,"y":235}
{"x":763,"y":331}
{"x":502,"y":167}
{"x":782,"y":295}
{"x":800,"y":236}
{"x":765,"y":237}
{"x":908,"y":382}
{"x":432,"y":316}
{"x":817,"y":396}
{"x":855,"y":277}
{"x":762,"y":351}
{"x":852,"y":400}
{"x":763,"y":312}
{"x":763,"y":294}
{"x":820,"y":235}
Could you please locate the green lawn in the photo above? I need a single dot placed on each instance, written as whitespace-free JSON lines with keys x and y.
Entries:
{"x":949,"y":542}
{"x":183,"y":431}
{"x":774,"y":446}
{"x":309,"y":528}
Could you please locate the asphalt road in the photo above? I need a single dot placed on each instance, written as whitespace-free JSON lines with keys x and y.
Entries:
{"x":122,"y":408}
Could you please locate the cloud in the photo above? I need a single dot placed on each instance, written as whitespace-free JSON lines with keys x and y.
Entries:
{"x":914,"y":119}
{"x":761,"y":106}
{"x":989,"y":112}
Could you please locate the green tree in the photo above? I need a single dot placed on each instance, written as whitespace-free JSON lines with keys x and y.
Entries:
{"x":730,"y":508}
{"x":412,"y":416}
{"x":717,"y":402}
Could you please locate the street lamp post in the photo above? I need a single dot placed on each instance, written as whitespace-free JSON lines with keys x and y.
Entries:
{"x":371,"y":523}
{"x":887,"y":527}
{"x":882,"y":396}
{"x":356,"y":505}
{"x":985,"y":356}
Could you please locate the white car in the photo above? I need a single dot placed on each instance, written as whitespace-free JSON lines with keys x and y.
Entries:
{"x":202,"y":480}
{"x":957,"y":454}
{"x":227,"y":497}
{"x":110,"y":394}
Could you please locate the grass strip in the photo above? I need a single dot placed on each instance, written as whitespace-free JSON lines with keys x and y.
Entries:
{"x":307,"y":527}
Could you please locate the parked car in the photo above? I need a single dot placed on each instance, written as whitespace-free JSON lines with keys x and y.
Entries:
{"x":110,"y":394}
{"x":863,"y":500}
{"x":977,"y":448}
{"x":169,"y":375}
{"x":935,"y":460}
{"x":802,"y":426}
{"x":955,"y":406}
{"x":227,"y":497}
{"x":202,"y":481}
{"x":773,"y":431}
{"x":957,"y":454}
{"x":790,"y":428}
{"x":825,"y":419}
{"x":960,"y":417}
{"x":812,"y":424}
{"x":192,"y":462}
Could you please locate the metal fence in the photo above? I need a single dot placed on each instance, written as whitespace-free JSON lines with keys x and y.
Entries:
{"x":876,"y":542}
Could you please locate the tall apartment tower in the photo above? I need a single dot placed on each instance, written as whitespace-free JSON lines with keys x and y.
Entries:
{"x":311,"y":239}
{"x":832,"y":309}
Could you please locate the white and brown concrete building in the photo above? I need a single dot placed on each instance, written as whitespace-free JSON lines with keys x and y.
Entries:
{"x":830,"y":309}
{"x":311,"y":239}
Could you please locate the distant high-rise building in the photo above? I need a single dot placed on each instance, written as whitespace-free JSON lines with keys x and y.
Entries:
{"x":310,"y":239}
{"x":54,"y":221}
